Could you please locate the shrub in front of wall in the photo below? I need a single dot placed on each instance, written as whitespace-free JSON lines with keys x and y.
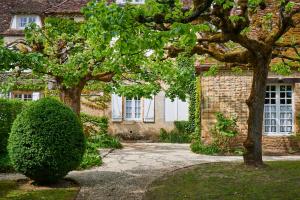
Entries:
{"x":224,"y":132}
{"x":46,"y":141}
{"x":9,"y":109}
{"x":198,"y":147}
{"x":93,"y":124}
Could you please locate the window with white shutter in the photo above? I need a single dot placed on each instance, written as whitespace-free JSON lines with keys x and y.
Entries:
{"x":149,"y":115}
{"x":35,"y":96}
{"x":183,"y":110}
{"x":116,"y":107}
{"x":176,"y":110}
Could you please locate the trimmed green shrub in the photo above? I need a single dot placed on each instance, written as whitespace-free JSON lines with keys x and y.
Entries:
{"x":9,"y":109}
{"x":46,"y":141}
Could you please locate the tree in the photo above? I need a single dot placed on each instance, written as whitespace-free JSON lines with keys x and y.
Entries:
{"x":243,"y":33}
{"x":100,"y":48}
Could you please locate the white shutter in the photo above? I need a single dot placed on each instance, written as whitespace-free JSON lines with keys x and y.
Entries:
{"x":149,"y":110}
{"x":170,"y":110}
{"x":35,"y":96}
{"x":183,"y":110}
{"x":116,"y":102}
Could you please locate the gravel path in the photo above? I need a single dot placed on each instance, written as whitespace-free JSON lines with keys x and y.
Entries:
{"x":126,"y":173}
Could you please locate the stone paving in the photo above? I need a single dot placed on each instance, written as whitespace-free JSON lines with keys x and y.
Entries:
{"x":126,"y":173}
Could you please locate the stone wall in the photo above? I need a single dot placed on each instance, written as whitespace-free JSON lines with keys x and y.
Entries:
{"x":227,"y":93}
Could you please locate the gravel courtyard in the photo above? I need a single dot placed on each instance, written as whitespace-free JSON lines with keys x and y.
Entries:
{"x":126,"y":173}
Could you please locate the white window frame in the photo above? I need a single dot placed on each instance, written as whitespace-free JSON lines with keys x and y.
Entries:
{"x":278,"y":104}
{"x":16,"y":21}
{"x":23,"y":96}
{"x":133,"y":109}
{"x":135,"y":2}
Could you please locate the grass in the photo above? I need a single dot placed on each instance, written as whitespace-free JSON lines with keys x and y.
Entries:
{"x":230,"y":181}
{"x":22,"y":190}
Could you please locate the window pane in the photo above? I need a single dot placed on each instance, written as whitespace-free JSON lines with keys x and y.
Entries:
{"x":267,"y":129}
{"x":267,"y":101}
{"x":273,"y":88}
{"x":273,"y":101}
{"x":137,"y":108}
{"x":273,"y":94}
{"x":267,"y":108}
{"x":273,"y":129}
{"x":128,"y":109}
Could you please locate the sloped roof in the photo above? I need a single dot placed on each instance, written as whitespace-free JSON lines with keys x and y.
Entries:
{"x":9,"y":8}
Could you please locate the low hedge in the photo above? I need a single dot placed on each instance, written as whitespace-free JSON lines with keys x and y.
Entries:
{"x":9,"y":109}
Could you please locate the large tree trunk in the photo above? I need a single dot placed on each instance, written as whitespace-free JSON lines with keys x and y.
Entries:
{"x":253,"y":143}
{"x":71,"y":97}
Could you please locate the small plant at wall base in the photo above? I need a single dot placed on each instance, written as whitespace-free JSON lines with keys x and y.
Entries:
{"x":223,"y":132}
{"x":180,"y":134}
{"x":96,"y":132}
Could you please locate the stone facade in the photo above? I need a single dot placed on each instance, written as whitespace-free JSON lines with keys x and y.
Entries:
{"x":136,"y":130}
{"x":228,"y":92}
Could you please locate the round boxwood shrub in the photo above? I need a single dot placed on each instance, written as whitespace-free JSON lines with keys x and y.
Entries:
{"x":46,"y":141}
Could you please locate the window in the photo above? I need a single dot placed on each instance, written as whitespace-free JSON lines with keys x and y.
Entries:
{"x":133,"y":109}
{"x":24,"y":97}
{"x":28,"y":96}
{"x":130,"y":1}
{"x":278,"y":115}
{"x":21,"y":21}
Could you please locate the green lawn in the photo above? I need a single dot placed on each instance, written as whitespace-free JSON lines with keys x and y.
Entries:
{"x":13,"y":190}
{"x":230,"y":181}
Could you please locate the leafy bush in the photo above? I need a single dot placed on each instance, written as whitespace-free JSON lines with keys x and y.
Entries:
{"x":174,"y":136}
{"x":91,"y":157}
{"x":198,"y":147}
{"x":96,"y":132}
{"x":9,"y":109}
{"x":224,"y":131}
{"x":46,"y":141}
{"x":105,"y":141}
{"x":99,"y":124}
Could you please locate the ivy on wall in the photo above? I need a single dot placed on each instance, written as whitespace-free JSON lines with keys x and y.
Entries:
{"x":194,"y":125}
{"x":197,"y":115}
